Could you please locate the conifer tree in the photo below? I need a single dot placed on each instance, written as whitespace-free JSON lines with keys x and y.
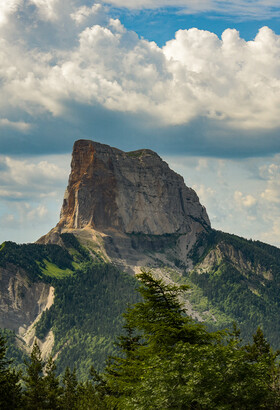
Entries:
{"x":70,"y":392}
{"x":52,"y":387}
{"x":168,"y":361}
{"x":35,"y":394}
{"x":10,"y":390}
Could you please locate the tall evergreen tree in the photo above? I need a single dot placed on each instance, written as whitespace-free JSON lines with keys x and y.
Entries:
{"x":35,"y":394}
{"x":10,"y":390}
{"x":70,"y":390}
{"x":168,"y":361}
{"x":52,"y":387}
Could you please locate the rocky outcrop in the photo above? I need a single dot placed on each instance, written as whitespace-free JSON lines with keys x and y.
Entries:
{"x":130,"y":192}
{"x":21,"y":301}
{"x":227,"y":253}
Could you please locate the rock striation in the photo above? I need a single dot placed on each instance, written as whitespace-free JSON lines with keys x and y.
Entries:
{"x":129,"y":192}
{"x":21,"y":300}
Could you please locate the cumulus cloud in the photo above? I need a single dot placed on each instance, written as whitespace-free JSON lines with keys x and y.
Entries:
{"x":8,"y":7}
{"x":235,"y":193}
{"x":36,"y":213}
{"x":83,"y":13}
{"x":46,"y":8}
{"x":22,"y":179}
{"x":242,"y":200}
{"x":31,"y":194}
{"x":66,"y":64}
{"x":196,"y":74}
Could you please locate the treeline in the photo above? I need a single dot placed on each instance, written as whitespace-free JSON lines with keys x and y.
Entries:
{"x":257,"y":252}
{"x":165,"y":361}
{"x":32,"y":257}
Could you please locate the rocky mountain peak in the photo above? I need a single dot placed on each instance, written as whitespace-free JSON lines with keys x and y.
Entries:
{"x":130,"y":192}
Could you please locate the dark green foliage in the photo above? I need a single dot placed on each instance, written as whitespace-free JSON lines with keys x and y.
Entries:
{"x":87,"y":315}
{"x":255,"y":251}
{"x":249,"y":293}
{"x":45,"y":323}
{"x":166,"y":361}
{"x":52,"y":387}
{"x":70,"y":241}
{"x":13,"y":352}
{"x":42,"y":389}
{"x":32,"y":257}
{"x":35,"y":394}
{"x":70,"y":392}
{"x":10,"y":390}
{"x":176,"y":363}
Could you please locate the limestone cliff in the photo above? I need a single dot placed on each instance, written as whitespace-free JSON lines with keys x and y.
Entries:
{"x":130,"y":192}
{"x":21,"y":300}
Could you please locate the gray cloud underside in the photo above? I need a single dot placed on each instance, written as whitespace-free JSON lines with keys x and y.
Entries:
{"x":127,"y":131}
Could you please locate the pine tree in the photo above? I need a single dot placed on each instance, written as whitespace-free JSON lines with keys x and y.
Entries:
{"x":10,"y":390}
{"x":168,"y":361}
{"x":35,"y":394}
{"x":70,"y":392}
{"x":52,"y":388}
{"x":154,"y":328}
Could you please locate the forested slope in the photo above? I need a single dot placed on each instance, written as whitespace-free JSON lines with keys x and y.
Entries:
{"x":240,"y":278}
{"x":165,"y":361}
{"x":234,"y":279}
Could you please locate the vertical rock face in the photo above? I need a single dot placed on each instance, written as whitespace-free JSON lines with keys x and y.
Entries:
{"x":21,"y":301}
{"x":128,"y":192}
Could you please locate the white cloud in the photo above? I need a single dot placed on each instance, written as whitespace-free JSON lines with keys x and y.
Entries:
{"x":231,"y":81}
{"x":26,"y":179}
{"x":17,"y":125}
{"x":272,"y":192}
{"x":10,"y":194}
{"x":242,"y":200}
{"x":273,"y":234}
{"x":8,"y":7}
{"x":271,"y":173}
{"x":31,"y":193}
{"x":36,"y":213}
{"x":82,"y":13}
{"x":204,"y":193}
{"x":93,"y":60}
{"x":232,"y":192}
{"x":46,"y":8}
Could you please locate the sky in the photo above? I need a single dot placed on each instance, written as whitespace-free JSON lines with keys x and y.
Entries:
{"x":196,"y":81}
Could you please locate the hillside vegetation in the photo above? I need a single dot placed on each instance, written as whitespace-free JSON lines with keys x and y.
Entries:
{"x":90,"y":297}
{"x":165,"y":361}
{"x":240,"y":278}
{"x":233,"y":279}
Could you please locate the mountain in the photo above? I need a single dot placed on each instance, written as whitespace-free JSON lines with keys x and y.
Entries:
{"x":123,"y":211}
{"x":133,"y":192}
{"x":127,"y":205}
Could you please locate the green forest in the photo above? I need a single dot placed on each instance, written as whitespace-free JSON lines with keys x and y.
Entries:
{"x":248,"y":294}
{"x":87,"y":315}
{"x":154,"y":356}
{"x":164,"y":360}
